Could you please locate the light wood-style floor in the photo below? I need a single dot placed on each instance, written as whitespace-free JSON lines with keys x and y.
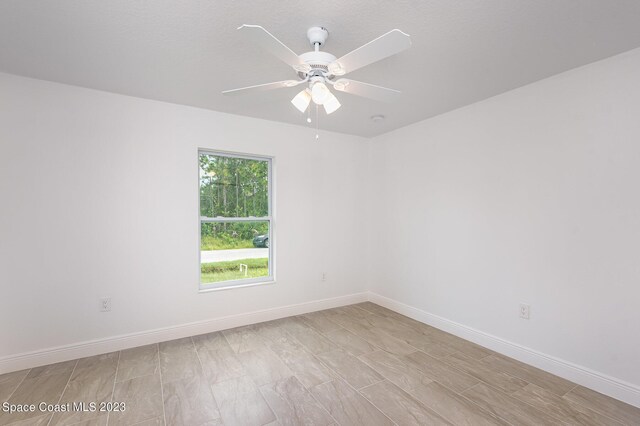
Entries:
{"x":355,"y":365}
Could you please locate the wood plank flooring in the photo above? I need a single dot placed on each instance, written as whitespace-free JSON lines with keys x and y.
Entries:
{"x":355,"y":365}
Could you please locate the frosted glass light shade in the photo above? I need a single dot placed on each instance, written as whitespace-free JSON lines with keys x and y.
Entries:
{"x":302,"y":100}
{"x":320,"y":93}
{"x":331,"y":104}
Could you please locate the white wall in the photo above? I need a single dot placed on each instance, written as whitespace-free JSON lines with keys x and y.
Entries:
{"x":532,"y":196}
{"x":99,"y":198}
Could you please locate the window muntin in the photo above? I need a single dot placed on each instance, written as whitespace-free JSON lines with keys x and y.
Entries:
{"x":236,"y":224}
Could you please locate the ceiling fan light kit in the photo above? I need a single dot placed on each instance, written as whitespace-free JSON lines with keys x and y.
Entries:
{"x":319,"y":69}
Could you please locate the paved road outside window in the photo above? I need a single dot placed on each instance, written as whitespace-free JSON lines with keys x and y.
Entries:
{"x":224,"y":255}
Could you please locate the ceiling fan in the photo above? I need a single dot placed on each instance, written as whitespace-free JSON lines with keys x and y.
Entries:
{"x":318,"y":70}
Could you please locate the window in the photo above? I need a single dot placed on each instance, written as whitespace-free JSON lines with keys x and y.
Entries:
{"x":236,"y":224}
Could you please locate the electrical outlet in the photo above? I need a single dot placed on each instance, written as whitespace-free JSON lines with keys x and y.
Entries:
{"x":324,"y":276}
{"x":105,"y":304}
{"x":525,"y":311}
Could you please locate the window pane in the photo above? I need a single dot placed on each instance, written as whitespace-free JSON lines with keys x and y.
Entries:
{"x":233,"y":187}
{"x":233,"y":251}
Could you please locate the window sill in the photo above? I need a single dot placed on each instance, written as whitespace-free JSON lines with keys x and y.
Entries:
{"x":232,"y":286}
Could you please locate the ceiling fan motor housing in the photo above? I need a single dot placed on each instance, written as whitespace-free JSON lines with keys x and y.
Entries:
{"x":318,"y":61}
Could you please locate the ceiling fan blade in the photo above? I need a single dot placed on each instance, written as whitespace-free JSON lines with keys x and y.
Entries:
{"x":267,"y":41}
{"x":386,"y":45}
{"x":366,"y":90}
{"x":262,"y":87}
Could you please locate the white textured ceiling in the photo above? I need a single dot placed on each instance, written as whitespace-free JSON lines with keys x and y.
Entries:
{"x":187,"y":51}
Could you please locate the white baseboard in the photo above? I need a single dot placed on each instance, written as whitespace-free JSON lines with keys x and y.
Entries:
{"x":584,"y":376}
{"x":116,"y":343}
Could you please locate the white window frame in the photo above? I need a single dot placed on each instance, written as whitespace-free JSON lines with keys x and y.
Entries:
{"x":270,"y":279}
